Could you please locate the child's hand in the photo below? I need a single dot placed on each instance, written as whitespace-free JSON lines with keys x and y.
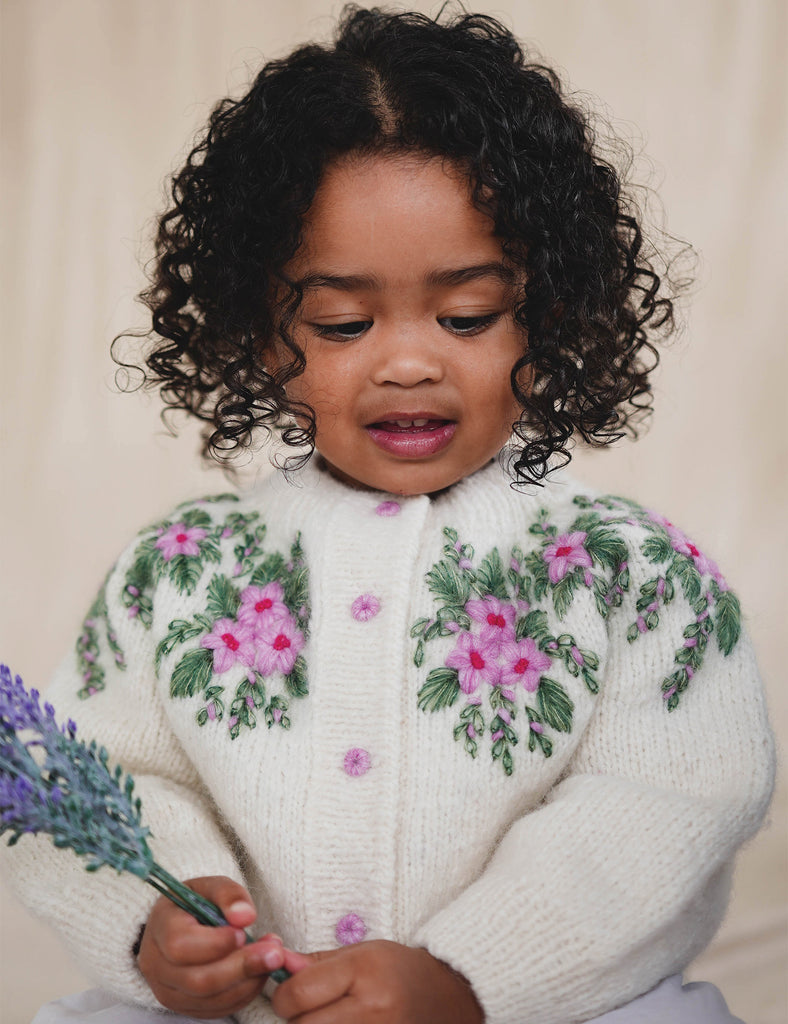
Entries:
{"x":203,"y":971}
{"x":376,"y":983}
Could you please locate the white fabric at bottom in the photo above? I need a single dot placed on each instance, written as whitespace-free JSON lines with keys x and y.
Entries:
{"x":95,"y":1006}
{"x":670,"y":1001}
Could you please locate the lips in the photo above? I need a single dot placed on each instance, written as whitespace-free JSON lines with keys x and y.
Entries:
{"x":412,"y":436}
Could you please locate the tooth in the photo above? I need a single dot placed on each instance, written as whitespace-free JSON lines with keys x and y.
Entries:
{"x":420,"y":423}
{"x":405,"y":423}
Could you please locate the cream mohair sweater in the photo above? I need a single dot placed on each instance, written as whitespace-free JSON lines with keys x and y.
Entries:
{"x":521,"y":729}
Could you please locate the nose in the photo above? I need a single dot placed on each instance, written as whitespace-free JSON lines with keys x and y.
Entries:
{"x":407,"y":355}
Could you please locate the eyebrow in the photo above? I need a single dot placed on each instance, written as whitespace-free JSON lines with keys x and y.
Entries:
{"x":435,"y":279}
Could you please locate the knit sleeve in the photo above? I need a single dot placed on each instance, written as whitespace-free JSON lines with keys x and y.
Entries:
{"x":621,"y":877}
{"x":107,"y":685}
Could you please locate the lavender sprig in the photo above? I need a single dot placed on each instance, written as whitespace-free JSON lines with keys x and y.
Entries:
{"x":51,"y":782}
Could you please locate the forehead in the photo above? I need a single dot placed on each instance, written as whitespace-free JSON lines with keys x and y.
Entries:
{"x":402,"y":213}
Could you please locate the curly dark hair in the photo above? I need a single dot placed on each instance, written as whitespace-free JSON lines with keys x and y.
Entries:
{"x":458,"y":86}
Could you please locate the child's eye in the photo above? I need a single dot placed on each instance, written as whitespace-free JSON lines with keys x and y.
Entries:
{"x":468,"y":325}
{"x":347,"y":331}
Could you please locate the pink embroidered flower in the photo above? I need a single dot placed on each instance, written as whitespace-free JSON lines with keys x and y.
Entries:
{"x":497,"y":621}
{"x":565,"y":552}
{"x":491,"y":612}
{"x":279,"y":643}
{"x":365,"y":607}
{"x":262,"y":604}
{"x":180,"y":540}
{"x":357,"y":761}
{"x":474,"y":661}
{"x":524,"y":663}
{"x":231,"y":644}
{"x":350,"y":929}
{"x":388,"y":508}
{"x":684,"y":546}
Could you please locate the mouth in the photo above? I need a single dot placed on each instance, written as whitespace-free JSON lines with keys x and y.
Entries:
{"x":412,"y":437}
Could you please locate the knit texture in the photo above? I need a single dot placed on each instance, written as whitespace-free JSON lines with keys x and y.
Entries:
{"x":523,"y":730}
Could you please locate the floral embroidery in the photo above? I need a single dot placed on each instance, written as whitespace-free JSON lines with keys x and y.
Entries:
{"x":503,"y":649}
{"x":251,"y":632}
{"x":504,"y":646}
{"x":254,"y":633}
{"x":716,"y":609}
{"x":87,"y":646}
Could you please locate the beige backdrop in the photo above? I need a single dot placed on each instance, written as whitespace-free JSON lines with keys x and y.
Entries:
{"x":99,"y":101}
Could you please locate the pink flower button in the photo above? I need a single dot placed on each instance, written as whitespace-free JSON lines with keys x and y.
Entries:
{"x":357,"y":761}
{"x":388,"y":508}
{"x":365,"y":607}
{"x":350,"y":929}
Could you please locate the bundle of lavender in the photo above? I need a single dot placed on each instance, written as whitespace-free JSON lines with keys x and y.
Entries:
{"x":51,"y":782}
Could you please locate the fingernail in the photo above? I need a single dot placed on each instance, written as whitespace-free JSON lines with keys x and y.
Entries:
{"x":240,"y":938}
{"x":272,"y":959}
{"x":238,"y":907}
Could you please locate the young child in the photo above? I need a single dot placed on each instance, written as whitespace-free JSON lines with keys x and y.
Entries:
{"x":459,"y":750}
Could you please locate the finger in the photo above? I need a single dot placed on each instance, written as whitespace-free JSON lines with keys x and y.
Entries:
{"x":232,"y":898}
{"x":207,"y":981}
{"x":183,"y":941}
{"x":344,"y":1011}
{"x":211,"y":1006}
{"x":323,"y":982}
{"x":264,"y":956}
{"x":295,"y":962}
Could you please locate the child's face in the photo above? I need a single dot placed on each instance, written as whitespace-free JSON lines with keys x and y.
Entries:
{"x":406,"y":325}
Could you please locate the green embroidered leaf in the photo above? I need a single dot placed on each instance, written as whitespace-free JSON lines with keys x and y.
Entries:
{"x":606,"y":547}
{"x":450,"y":613}
{"x":657,"y":547}
{"x":727,"y":621}
{"x":235,"y":522}
{"x":440,"y":690}
{"x":542,"y":528}
{"x":490,"y":576}
{"x":688,"y":576}
{"x":223,"y":598}
{"x":555,"y":705}
{"x":297,"y":683}
{"x":585,"y":522}
{"x":433,"y":630}
{"x":418,"y":627}
{"x":461,"y":732}
{"x":185,"y":572}
{"x":140,"y":575}
{"x":271,"y":568}
{"x":537,"y":567}
{"x":563,"y":592}
{"x":192,"y":673}
{"x":180,"y":630}
{"x":418,"y":657}
{"x":451,"y":534}
{"x":447,"y":584}
{"x":534,"y":624}
{"x":590,"y":679}
{"x":633,"y":633}
{"x":196,"y":517}
{"x":296,"y":587}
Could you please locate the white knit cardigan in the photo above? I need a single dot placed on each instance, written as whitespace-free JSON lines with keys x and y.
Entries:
{"x":522,"y":730}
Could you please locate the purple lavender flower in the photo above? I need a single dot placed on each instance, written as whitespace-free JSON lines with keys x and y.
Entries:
{"x":67,"y":791}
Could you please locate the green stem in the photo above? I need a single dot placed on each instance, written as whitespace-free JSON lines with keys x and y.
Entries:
{"x":202,"y":909}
